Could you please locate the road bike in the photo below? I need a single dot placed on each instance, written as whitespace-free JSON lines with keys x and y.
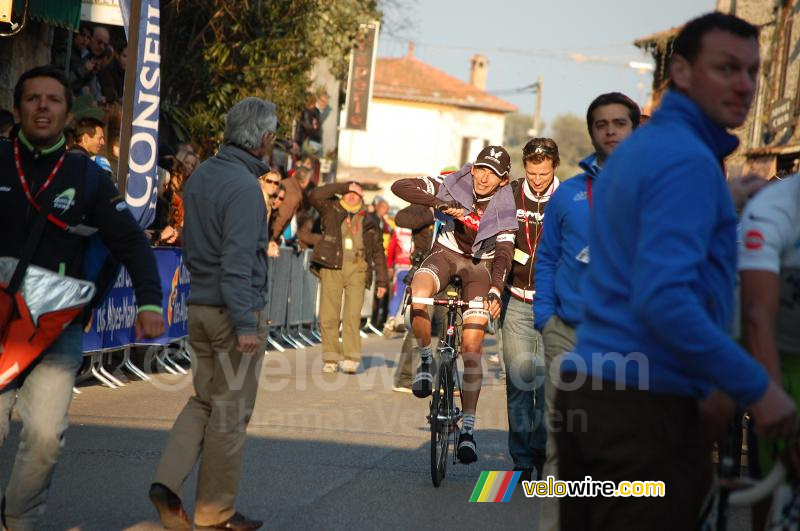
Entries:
{"x":445,"y":415}
{"x":731,"y":490}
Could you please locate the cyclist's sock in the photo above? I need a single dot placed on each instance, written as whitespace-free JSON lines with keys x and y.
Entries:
{"x":426,"y":354}
{"x":467,"y":423}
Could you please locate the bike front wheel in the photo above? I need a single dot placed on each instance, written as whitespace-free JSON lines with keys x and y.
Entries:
{"x":441,"y":406}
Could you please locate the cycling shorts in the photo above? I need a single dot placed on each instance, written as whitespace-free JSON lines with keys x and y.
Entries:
{"x":761,"y":451}
{"x":476,"y":275}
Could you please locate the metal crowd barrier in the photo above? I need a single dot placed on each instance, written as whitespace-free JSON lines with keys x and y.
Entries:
{"x":292,"y":312}
{"x":294,"y":300}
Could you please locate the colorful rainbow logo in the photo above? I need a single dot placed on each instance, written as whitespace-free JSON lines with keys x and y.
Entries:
{"x":495,"y":486}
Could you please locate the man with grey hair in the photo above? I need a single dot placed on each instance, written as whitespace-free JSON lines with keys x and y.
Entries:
{"x":224,"y":244}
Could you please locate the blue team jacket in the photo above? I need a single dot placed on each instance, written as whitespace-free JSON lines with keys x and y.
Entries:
{"x":660,"y":286}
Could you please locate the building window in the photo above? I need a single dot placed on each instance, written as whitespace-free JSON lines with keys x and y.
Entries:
{"x":466,"y":144}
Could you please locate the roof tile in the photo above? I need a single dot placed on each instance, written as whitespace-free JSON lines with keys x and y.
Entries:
{"x":408,"y":78}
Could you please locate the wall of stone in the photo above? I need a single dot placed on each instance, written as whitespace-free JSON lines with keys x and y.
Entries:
{"x":29,"y":48}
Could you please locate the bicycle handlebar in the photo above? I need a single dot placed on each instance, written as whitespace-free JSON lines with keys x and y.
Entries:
{"x":430,"y":301}
{"x":759,"y":489}
{"x":441,"y":207}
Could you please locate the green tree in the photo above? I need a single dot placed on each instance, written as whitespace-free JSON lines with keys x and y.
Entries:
{"x":515,"y":136}
{"x":569,"y":132}
{"x":216,"y":53}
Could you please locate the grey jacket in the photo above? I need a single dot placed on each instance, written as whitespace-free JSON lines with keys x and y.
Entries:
{"x":225,"y":236}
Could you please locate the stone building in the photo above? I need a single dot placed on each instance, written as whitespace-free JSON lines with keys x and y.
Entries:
{"x":770,"y":138}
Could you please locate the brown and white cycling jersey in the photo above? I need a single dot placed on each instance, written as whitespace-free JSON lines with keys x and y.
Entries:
{"x":458,"y":235}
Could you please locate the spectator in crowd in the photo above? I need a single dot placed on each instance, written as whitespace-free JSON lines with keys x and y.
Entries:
{"x":398,"y":254}
{"x":162,"y":206}
{"x":270,"y":182}
{"x":274,"y":204}
{"x":113,"y":158}
{"x":6,"y":124}
{"x":112,"y":76}
{"x":308,"y":161}
{"x":43,"y":392}
{"x":297,"y":202}
{"x":90,"y":136}
{"x":379,"y":212}
{"x":277,"y":200}
{"x":224,"y":245}
{"x":347,"y":257}
{"x":308,"y":137}
{"x":563,"y":255}
{"x":522,"y":346}
{"x":658,"y":298}
{"x":79,"y":51}
{"x":85,"y":81}
{"x":171,"y":234}
{"x":189,"y":159}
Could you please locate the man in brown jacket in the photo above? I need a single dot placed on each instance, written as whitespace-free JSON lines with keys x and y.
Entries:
{"x":345,"y":258}
{"x":297,"y":187}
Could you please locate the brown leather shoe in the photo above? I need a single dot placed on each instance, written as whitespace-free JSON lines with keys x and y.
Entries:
{"x":169,"y":507}
{"x":238,"y":521}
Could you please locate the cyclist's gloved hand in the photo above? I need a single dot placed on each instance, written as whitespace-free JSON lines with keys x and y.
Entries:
{"x":451,"y":208}
{"x":495,"y":304}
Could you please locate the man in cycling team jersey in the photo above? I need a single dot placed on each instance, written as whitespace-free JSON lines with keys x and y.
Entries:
{"x":476,"y":243}
{"x":769,"y":265}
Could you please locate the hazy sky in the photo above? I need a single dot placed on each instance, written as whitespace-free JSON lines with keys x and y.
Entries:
{"x":526,"y":38}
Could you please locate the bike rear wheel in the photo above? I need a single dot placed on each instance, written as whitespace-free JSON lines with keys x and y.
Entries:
{"x":441,"y":406}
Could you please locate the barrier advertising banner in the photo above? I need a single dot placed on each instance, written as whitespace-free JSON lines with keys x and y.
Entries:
{"x":112,"y":324}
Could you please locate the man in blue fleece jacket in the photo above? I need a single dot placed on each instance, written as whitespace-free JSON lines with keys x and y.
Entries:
{"x":658,"y":297}
{"x":563,"y":255}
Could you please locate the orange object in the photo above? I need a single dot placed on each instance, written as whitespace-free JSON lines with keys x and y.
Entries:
{"x":24,"y":341}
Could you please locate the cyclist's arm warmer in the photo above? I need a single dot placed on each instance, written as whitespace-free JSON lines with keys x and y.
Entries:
{"x":501,"y":265}
{"x":669,"y":253}
{"x":418,"y":191}
{"x":414,"y":217}
{"x":547,"y":255}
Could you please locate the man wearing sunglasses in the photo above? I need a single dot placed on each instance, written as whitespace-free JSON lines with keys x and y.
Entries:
{"x":563,"y":256}
{"x":521,"y":344}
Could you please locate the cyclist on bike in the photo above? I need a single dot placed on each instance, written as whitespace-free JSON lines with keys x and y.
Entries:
{"x":769,"y":265}
{"x":476,"y":243}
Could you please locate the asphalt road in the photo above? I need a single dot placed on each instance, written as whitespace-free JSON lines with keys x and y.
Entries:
{"x":323,"y":452}
{"x":332,"y":452}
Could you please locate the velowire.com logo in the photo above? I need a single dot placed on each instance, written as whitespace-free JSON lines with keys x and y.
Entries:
{"x":495,"y":486}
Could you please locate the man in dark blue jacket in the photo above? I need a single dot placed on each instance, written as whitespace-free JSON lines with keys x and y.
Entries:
{"x":563,"y":255}
{"x":32,"y":166}
{"x":659,"y":295}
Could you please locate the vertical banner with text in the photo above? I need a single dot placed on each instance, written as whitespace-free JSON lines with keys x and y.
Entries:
{"x":362,"y":73}
{"x":142,"y":178}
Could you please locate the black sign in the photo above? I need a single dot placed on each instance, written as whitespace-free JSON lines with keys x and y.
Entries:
{"x":781,"y":115}
{"x":359,"y":82}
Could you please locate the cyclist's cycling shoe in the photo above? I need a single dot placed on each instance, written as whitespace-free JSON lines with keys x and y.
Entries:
{"x":467,"y":449}
{"x":422,"y":385}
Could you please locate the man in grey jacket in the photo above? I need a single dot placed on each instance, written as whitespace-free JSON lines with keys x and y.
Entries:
{"x":224,"y":242}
